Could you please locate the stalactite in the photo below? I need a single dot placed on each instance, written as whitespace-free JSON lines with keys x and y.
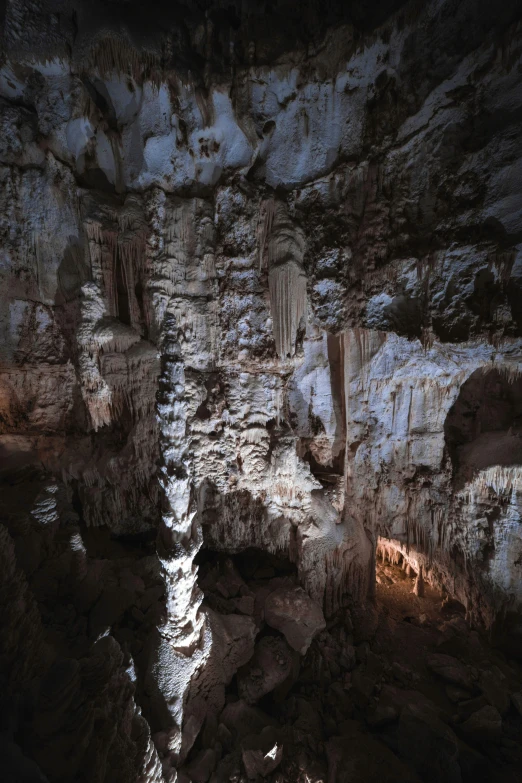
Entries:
{"x":111,"y":54}
{"x":503,"y":481}
{"x":264,"y":230}
{"x":287,"y":286}
{"x":286,"y":277}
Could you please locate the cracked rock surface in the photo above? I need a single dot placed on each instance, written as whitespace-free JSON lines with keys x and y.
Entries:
{"x":260,"y":391}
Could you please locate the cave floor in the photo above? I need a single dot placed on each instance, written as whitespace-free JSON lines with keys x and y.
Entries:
{"x":400,"y":691}
{"x":448,"y":677}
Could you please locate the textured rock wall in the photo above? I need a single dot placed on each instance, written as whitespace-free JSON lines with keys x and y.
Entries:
{"x":258,"y":265}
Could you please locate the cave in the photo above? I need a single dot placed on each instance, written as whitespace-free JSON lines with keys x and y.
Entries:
{"x":261,"y":391}
{"x":484,"y":426}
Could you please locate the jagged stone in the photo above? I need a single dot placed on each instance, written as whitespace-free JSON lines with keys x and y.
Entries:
{"x":271,"y":665}
{"x":516,"y":699}
{"x":456,"y":694}
{"x":295,"y":615}
{"x":348,"y":657}
{"x":380,"y":715}
{"x":355,"y":757}
{"x":429,"y":745}
{"x":261,"y":753}
{"x":450,"y":669}
{"x":260,"y":764}
{"x":201,"y":768}
{"x":484,"y":725}
{"x":362,"y":687}
{"x":229,"y":768}
{"x":495,"y":690}
{"x":241,"y":719}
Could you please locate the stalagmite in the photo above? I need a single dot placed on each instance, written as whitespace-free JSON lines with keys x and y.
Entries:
{"x":418,"y":587}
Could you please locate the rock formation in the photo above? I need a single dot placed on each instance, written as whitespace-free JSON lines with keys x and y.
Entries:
{"x":261,"y":391}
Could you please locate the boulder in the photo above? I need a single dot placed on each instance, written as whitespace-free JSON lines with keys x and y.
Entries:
{"x":356,"y":757}
{"x":469,"y":706}
{"x":484,"y":725}
{"x":398,"y":698}
{"x":291,"y":611}
{"x":229,"y":582}
{"x":261,"y":753}
{"x":428,"y":745}
{"x":348,"y":657}
{"x":308,"y":721}
{"x":516,"y":699}
{"x":270,"y":666}
{"x":402,"y":674}
{"x":380,"y":715}
{"x":233,"y":642}
{"x":240,"y":719}
{"x":473,"y":765}
{"x":456,"y":694}
{"x":495,"y":690}
{"x":224,"y":736}
{"x":365,"y":621}
{"x":362,"y":687}
{"x":450,"y":669}
{"x":260,"y":764}
{"x":245,"y":604}
{"x":229,"y":768}
{"x":201,"y":768}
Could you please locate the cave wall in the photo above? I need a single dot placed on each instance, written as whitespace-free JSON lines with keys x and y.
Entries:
{"x":247,"y":280}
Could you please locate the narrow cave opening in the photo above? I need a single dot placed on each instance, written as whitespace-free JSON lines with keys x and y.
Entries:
{"x":326,"y":474}
{"x":484,"y":425}
{"x":230,"y":582}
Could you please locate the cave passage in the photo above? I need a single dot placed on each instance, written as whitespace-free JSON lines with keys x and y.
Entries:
{"x":484,"y":425}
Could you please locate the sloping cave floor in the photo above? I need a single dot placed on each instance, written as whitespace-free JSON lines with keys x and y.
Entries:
{"x":402,"y":691}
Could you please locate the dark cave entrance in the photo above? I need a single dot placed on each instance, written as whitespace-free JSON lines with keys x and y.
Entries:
{"x":484,"y":425}
{"x":230,"y":582}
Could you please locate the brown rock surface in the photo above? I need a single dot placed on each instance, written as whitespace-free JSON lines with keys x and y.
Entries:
{"x":292,"y":612}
